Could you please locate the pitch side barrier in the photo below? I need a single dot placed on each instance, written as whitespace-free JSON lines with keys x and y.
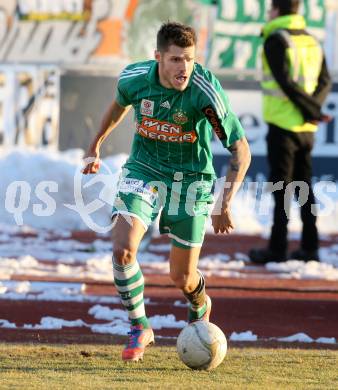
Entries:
{"x":246,"y":101}
{"x":85,"y":96}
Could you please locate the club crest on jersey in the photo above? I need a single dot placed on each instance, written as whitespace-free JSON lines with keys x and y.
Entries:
{"x":147,"y":107}
{"x":180,"y":117}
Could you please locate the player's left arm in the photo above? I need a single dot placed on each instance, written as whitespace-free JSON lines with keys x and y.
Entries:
{"x":230,"y":132}
{"x":238,"y":165}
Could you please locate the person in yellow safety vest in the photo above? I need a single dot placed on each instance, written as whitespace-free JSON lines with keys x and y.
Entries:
{"x":295,"y":84}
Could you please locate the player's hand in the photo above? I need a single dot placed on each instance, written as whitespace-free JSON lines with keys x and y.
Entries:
{"x":92,"y":163}
{"x":223,"y":223}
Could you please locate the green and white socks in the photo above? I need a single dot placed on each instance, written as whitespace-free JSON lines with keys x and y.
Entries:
{"x":197,"y":299}
{"x":129,"y":283}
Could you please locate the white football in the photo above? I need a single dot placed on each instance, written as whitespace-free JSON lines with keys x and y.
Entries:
{"x":202,"y":345}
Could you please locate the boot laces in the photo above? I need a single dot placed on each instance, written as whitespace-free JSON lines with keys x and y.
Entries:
{"x":133,"y":337}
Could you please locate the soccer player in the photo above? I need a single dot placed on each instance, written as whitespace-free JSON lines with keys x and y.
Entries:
{"x":177,"y":104}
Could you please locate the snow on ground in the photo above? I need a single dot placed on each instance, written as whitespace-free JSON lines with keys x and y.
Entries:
{"x":118,"y":325}
{"x":44,"y":189}
{"x":43,"y":192}
{"x":47,"y":190}
{"x":298,"y":337}
{"x":300,"y":270}
{"x":117,"y":319}
{"x":75,"y":260}
{"x":44,"y":196}
{"x":118,"y":322}
{"x":50,"y":291}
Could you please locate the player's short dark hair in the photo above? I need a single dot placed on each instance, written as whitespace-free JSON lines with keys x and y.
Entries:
{"x":286,"y":7}
{"x":174,"y":33}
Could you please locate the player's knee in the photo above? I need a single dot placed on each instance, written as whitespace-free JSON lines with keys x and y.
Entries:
{"x":183,"y":281}
{"x":123,"y":255}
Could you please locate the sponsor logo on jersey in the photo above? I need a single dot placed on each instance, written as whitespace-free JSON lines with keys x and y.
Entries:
{"x":165,"y":104}
{"x":147,"y":107}
{"x":164,"y":131}
{"x":147,"y":192}
{"x":215,"y":122}
{"x":180,"y":117}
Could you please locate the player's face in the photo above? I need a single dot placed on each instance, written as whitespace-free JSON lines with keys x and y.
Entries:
{"x":175,"y":66}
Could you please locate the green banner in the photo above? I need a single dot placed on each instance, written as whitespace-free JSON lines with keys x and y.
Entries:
{"x":236,"y":41}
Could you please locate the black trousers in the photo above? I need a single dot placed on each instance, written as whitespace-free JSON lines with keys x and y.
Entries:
{"x":289,"y":156}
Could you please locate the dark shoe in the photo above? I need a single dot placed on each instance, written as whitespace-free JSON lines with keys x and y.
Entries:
{"x":263,"y":256}
{"x":301,"y":254}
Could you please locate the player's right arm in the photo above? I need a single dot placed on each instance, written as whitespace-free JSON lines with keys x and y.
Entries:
{"x":112,"y":117}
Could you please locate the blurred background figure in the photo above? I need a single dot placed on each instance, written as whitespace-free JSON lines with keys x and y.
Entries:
{"x":295,"y":84}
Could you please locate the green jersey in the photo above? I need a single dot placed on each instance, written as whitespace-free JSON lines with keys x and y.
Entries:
{"x":174,"y":128}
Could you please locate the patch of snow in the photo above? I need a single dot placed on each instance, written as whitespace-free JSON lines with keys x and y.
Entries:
{"x":243,"y":336}
{"x":298,"y":337}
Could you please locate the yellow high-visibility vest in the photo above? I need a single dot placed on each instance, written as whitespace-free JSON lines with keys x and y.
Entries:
{"x":305,"y":57}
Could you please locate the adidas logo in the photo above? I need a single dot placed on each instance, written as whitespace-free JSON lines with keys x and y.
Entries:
{"x":165,"y":104}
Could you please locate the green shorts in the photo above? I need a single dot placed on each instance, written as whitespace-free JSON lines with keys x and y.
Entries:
{"x":183,"y":204}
